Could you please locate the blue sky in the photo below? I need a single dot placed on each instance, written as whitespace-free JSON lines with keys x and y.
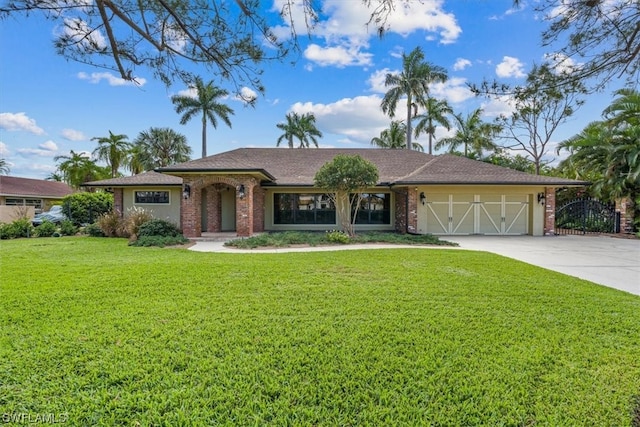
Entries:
{"x":49,"y":106}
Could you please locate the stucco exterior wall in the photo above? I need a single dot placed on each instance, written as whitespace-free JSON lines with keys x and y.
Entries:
{"x":169,"y":212}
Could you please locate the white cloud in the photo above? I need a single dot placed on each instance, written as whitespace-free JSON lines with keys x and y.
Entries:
{"x":49,"y":146}
{"x":495,"y":107}
{"x":510,"y":67}
{"x":19,"y":121}
{"x":346,"y":33}
{"x":247,"y":95}
{"x":562,"y":64}
{"x":377,"y":79}
{"x":73,"y":135}
{"x":81,"y":33}
{"x":454,"y":90}
{"x":111,"y":79}
{"x":46,"y":149}
{"x":461,"y":64}
{"x":4,"y":151}
{"x":359,"y":118}
{"x":339,"y":56}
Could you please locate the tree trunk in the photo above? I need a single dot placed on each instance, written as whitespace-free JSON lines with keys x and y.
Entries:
{"x":204,"y":136}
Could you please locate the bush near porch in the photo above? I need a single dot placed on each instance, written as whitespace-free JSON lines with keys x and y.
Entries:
{"x":110,"y":334}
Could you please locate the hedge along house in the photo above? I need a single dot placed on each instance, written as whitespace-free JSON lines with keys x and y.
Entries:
{"x":155,"y":192}
{"x":251,"y":190}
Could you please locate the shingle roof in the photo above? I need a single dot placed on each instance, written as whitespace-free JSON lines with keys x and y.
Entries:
{"x":150,"y":178}
{"x":286,"y":166}
{"x":15,"y":186}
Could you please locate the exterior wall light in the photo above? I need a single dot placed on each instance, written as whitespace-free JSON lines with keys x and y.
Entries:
{"x":541,"y":198}
{"x":423,"y":198}
{"x":241,"y":191}
{"x":186,"y":191}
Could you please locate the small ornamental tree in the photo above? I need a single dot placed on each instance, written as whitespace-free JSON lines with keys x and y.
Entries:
{"x":345,"y":178}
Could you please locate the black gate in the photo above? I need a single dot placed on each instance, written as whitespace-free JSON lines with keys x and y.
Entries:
{"x":582,"y":216}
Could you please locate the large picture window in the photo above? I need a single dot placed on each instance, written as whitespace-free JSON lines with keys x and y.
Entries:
{"x":152,"y":197}
{"x":374,"y":209}
{"x":294,"y":208}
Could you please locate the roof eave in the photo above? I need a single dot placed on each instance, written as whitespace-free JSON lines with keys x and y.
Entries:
{"x":190,"y":171}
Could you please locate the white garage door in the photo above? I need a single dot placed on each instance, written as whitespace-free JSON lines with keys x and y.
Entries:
{"x":477,"y":214}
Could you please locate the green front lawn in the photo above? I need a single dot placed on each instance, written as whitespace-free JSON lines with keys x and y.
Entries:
{"x":109,"y":334}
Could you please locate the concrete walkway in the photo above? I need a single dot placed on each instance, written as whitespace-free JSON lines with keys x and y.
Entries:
{"x":608,"y":261}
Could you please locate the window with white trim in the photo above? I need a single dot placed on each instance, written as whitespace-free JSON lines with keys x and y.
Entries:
{"x":151,"y":197}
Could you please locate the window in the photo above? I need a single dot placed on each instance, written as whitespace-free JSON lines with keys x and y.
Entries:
{"x":152,"y":197}
{"x":36,"y":203}
{"x":293,"y":208}
{"x":374,"y":209}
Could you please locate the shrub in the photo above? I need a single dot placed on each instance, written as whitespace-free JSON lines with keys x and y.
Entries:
{"x":335,"y":236}
{"x":93,"y":230}
{"x":85,"y":208}
{"x":68,"y":228}
{"x":159,"y":227}
{"x":16,"y":229}
{"x":160,"y":241}
{"x":46,"y":229}
{"x":111,"y":224}
{"x":134,"y":219}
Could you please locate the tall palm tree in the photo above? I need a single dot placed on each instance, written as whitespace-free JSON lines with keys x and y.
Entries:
{"x":4,"y":167}
{"x":205,"y":103}
{"x":77,"y":168}
{"x":136,"y":159}
{"x":159,"y":147}
{"x":300,"y":127}
{"x":113,"y":149}
{"x":394,"y":137}
{"x":625,"y":108}
{"x":436,"y":112}
{"x":413,"y":82}
{"x":472,"y":133}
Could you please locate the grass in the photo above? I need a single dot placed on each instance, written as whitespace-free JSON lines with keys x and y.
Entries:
{"x":109,"y":334}
{"x":291,"y":238}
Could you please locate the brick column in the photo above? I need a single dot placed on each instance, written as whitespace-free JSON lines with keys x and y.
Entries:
{"x":244,"y":210}
{"x":118,"y":201}
{"x":625,"y":207}
{"x":190,"y":215}
{"x":401,"y":210}
{"x":258,"y":209}
{"x":549,"y":212}
{"x":412,"y":219}
{"x":214,"y":210}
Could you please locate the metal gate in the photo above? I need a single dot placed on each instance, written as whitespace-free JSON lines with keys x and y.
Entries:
{"x":586,"y":215}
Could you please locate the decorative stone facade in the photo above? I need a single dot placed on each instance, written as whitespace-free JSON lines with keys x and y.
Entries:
{"x":118,"y":201}
{"x":406,"y":223}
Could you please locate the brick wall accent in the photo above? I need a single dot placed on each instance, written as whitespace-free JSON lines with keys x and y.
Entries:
{"x":625,"y":207}
{"x":413,"y":210}
{"x":401,"y":210}
{"x":549,"y":211}
{"x":258,"y":209}
{"x":118,"y":201}
{"x":191,"y":208}
{"x":214,"y":209}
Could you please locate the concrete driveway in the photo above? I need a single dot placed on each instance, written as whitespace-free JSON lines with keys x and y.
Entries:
{"x":613,"y":262}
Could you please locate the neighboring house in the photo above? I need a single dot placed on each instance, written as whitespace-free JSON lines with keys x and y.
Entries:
{"x":155,"y":192}
{"x":251,"y":190}
{"x":18,"y":195}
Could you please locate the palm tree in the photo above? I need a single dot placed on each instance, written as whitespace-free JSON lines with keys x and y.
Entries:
{"x":413,"y":82}
{"x":436,"y":112}
{"x":474,"y":134}
{"x":159,"y":147}
{"x":300,"y":127}
{"x":205,"y":103}
{"x":395,"y":137}
{"x":113,"y":149}
{"x":4,"y":167}
{"x":625,"y":108}
{"x":136,"y":159}
{"x":55,"y":176}
{"x":77,"y":168}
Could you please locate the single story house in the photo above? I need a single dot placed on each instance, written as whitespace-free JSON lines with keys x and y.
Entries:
{"x":31,"y":195}
{"x":251,"y":190}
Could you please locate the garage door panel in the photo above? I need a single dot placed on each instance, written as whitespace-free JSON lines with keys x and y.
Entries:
{"x":477,"y":214}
